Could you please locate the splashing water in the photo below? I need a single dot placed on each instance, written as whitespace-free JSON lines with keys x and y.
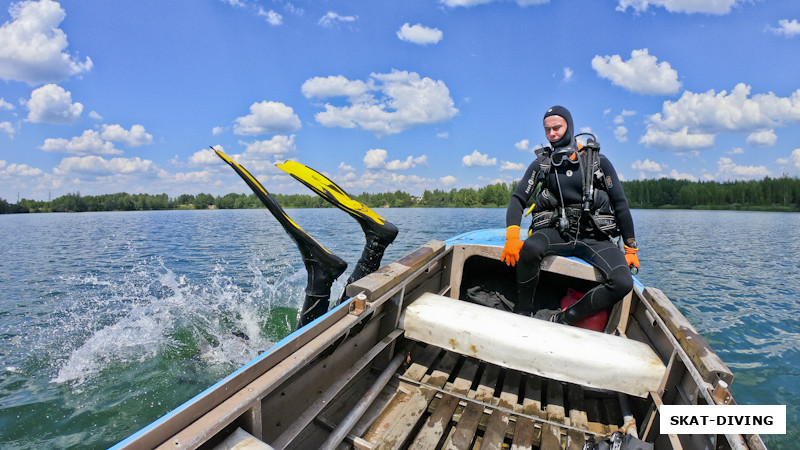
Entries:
{"x":154,"y":311}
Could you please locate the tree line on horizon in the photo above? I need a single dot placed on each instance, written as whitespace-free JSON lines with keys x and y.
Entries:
{"x":768,"y":194}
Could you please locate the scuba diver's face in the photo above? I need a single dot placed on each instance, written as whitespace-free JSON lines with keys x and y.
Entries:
{"x":554,"y":127}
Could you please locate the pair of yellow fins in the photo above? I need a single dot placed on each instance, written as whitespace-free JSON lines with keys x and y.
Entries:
{"x":323,"y":266}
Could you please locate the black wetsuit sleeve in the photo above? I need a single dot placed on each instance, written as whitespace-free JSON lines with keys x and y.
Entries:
{"x":618,"y":200}
{"x":521,"y":195}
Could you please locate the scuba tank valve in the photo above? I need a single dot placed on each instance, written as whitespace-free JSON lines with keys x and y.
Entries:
{"x":590,"y":149}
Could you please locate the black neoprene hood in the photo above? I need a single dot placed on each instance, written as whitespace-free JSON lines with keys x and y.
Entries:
{"x":561,"y":112}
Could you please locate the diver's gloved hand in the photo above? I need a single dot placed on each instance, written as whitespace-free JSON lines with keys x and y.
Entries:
{"x":630,"y":255}
{"x":513,"y":245}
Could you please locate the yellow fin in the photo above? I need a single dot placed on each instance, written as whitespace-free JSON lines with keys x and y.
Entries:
{"x":329,"y":190}
{"x":288,"y":224}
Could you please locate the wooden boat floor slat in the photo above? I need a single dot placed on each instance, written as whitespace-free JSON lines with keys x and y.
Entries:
{"x":443,"y":400}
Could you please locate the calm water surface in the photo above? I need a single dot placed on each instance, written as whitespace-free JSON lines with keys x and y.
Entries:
{"x":110,"y":320}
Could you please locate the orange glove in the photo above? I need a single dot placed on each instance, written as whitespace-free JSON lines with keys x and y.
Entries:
{"x":630,"y":256}
{"x":513,"y":245}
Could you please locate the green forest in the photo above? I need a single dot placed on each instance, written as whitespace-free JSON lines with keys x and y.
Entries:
{"x":769,"y":194}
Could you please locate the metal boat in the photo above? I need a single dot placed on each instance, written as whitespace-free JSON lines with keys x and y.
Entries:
{"x":411,"y":360}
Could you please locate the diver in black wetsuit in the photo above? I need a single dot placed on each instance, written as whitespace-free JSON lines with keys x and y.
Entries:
{"x":565,"y":224}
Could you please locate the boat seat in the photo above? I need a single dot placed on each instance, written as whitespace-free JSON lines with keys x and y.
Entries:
{"x":555,"y":351}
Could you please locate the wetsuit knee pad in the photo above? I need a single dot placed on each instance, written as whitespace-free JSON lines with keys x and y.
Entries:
{"x":620,"y":281}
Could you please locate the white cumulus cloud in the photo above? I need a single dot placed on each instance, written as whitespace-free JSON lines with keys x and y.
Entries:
{"x":674,"y":174}
{"x":694,"y":120}
{"x":336,"y":86}
{"x":719,"y":7}
{"x":92,"y":142}
{"x":18,"y":170}
{"x":204,"y":157}
{"x":621,"y":133}
{"x":646,"y":166}
{"x":267,"y":117}
{"x":470,"y":3}
{"x":7,"y":128}
{"x":89,"y":143}
{"x":512,"y":166}
{"x":277,"y":147}
{"x":408,"y":163}
{"x":641,"y":74}
{"x":32,"y":46}
{"x":385,"y":104}
{"x":568,"y":73}
{"x":400,"y":165}
{"x":52,"y":104}
{"x":762,"y":138}
{"x":727,"y":169}
{"x":523,"y":145}
{"x":620,"y":118}
{"x":202,"y":176}
{"x":419,"y":34}
{"x":476,"y":159}
{"x":346,"y":167}
{"x":793,"y":161}
{"x":786,"y":27}
{"x":271,"y":16}
{"x":677,"y":139}
{"x":375,"y":158}
{"x":448,"y":180}
{"x":135,"y":137}
{"x":332,"y":18}
{"x":98,"y":166}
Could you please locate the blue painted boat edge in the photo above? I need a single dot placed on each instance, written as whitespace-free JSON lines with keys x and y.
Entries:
{"x":495,"y":237}
{"x":218,"y":384}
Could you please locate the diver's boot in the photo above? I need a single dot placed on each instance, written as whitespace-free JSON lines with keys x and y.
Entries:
{"x":323,"y":269}
{"x":581,"y":309}
{"x":378,"y":237}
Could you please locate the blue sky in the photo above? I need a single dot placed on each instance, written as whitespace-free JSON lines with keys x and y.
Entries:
{"x":102,"y":97}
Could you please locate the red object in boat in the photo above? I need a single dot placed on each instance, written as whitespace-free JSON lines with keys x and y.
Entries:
{"x":596,"y":321}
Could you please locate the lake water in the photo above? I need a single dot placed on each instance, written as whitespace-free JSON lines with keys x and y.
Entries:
{"x":110,"y":320}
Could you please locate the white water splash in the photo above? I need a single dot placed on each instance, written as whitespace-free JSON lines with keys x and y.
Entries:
{"x":225,"y":320}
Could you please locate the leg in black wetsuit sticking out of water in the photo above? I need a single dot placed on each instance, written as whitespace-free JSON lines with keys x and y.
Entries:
{"x":322,"y":266}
